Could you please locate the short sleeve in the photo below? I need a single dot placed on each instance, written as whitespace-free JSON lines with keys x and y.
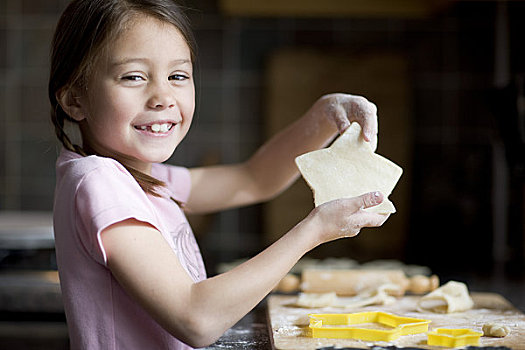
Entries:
{"x":105,"y":196}
{"x":177,"y":179}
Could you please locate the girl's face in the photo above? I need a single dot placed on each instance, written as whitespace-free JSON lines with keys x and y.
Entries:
{"x":140,"y":100}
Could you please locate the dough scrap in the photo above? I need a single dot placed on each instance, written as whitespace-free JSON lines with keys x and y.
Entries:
{"x":381,"y":295}
{"x":374,"y":296}
{"x":311,"y":300}
{"x":495,"y":330}
{"x":349,"y":168}
{"x":451,"y":297}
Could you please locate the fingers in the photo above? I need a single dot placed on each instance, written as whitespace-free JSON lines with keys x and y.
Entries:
{"x":337,"y":112}
{"x":363,"y":201}
{"x":365,"y":113}
{"x":372,"y":219}
{"x":345,"y":217}
{"x":359,"y":218}
{"x":362,"y":219}
{"x":345,"y":109}
{"x":340,"y":118}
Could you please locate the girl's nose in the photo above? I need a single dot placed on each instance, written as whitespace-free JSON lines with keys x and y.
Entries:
{"x":161,"y":98}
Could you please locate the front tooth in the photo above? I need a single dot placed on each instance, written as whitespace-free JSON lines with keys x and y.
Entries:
{"x":155,"y":127}
{"x":164,"y":128}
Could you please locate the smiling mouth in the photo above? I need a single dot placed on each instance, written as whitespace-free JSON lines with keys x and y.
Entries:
{"x":156,"y":128}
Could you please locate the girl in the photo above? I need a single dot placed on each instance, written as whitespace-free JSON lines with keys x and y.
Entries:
{"x":131,"y":272}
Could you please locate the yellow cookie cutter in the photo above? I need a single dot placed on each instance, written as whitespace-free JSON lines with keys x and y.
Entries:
{"x":347,"y":326}
{"x":453,"y":337}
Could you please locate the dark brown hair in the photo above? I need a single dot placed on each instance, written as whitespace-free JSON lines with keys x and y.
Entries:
{"x":85,"y":30}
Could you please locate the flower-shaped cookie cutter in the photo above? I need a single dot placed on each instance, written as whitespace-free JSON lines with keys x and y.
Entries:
{"x":453,"y":337}
{"x":385,"y":326}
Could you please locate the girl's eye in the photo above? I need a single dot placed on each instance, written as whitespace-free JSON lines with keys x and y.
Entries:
{"x":132,"y":78}
{"x":178,"y":77}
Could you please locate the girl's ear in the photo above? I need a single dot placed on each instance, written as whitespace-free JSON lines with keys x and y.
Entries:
{"x":70,"y":101}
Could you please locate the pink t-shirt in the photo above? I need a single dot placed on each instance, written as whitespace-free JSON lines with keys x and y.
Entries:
{"x":91,"y":194}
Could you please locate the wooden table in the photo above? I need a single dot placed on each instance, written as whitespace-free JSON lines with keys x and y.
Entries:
{"x":289,"y":323}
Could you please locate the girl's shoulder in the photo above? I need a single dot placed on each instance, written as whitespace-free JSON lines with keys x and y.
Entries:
{"x":92,"y":179}
{"x":94,"y":175}
{"x":71,"y":161}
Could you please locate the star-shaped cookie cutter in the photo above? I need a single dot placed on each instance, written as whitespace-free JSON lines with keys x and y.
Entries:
{"x":353,"y":326}
{"x":453,"y":337}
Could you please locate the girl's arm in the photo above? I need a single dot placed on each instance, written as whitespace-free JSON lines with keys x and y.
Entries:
{"x":272,"y":168}
{"x":199,"y":313}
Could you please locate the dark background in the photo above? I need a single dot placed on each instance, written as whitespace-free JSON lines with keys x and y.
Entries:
{"x":465,"y":73}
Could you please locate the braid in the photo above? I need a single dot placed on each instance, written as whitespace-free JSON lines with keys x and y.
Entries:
{"x":148,"y":183}
{"x":58,"y":116}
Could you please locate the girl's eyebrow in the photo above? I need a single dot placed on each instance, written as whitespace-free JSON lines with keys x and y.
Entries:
{"x":123,"y":61}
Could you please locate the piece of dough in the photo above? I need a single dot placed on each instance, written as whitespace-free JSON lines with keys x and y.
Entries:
{"x":349,"y":168}
{"x":451,"y":297}
{"x":375,"y":296}
{"x":381,"y":295}
{"x":495,"y":330}
{"x":312,"y":300}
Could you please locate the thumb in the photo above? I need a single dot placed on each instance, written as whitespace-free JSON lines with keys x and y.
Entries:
{"x":368,"y":200}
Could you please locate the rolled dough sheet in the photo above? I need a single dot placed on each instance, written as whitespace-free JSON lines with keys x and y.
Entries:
{"x":349,"y":168}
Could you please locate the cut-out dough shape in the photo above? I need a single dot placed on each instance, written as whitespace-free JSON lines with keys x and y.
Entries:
{"x":349,"y":168}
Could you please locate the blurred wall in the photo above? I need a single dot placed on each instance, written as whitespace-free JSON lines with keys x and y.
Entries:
{"x":466,"y":184}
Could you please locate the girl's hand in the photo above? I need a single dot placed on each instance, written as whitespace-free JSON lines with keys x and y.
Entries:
{"x":343,"y":109}
{"x":344,"y":217}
